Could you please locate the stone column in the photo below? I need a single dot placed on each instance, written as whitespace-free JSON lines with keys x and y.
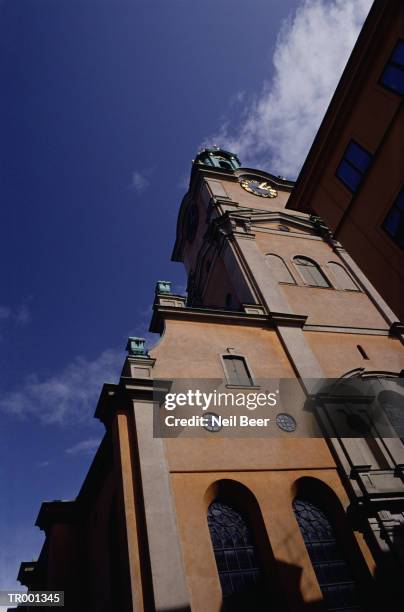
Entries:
{"x":167,"y":568}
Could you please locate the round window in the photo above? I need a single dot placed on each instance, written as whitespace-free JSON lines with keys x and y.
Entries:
{"x":285,"y":422}
{"x":211,"y":422}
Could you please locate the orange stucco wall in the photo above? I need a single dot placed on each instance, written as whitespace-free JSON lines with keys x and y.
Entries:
{"x":274,"y":492}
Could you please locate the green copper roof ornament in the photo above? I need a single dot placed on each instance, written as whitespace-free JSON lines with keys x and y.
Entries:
{"x":136,"y":347}
{"x":218,"y":158}
{"x":163,"y":287}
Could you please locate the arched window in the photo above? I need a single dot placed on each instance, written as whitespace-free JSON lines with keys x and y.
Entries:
{"x":343,"y":280}
{"x":279,"y":269}
{"x":237,"y":372}
{"x":331,"y":568}
{"x":311,"y":272}
{"x":234,"y":549}
{"x":222,"y":162}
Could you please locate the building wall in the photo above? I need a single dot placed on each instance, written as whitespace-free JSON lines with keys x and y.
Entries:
{"x":326,"y":306}
{"x":338,"y":352}
{"x":364,"y":110}
{"x":192,"y":349}
{"x":274,"y":491}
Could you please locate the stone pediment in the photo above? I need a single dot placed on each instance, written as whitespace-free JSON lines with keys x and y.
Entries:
{"x":281,"y":221}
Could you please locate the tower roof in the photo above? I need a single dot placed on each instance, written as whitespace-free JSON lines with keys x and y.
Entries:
{"x":218,"y":157}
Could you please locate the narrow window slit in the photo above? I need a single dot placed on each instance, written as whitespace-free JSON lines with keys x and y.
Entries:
{"x":362,"y":351}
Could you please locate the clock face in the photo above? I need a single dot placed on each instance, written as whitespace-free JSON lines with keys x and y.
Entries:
{"x":259,"y":188}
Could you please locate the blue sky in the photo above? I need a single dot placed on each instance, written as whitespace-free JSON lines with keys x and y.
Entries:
{"x":104,"y":104}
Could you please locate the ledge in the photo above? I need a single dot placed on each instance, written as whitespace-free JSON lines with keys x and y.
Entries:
{"x":288,"y":319}
{"x":160,"y":313}
{"x":57,"y":511}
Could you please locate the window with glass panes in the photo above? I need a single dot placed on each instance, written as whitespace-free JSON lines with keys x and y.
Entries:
{"x":354,"y":166}
{"x":393,"y":74}
{"x":234,"y":549}
{"x":331,"y":568}
{"x":394,"y":221}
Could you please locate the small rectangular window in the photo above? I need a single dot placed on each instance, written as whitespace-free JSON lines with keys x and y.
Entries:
{"x":393,"y":74}
{"x":354,"y":165}
{"x":394,"y":221}
{"x":236,"y":371}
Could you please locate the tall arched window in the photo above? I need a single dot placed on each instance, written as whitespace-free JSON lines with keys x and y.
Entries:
{"x":343,"y":280}
{"x":310,"y":271}
{"x":331,"y":568}
{"x":234,"y":549}
{"x":279,"y":269}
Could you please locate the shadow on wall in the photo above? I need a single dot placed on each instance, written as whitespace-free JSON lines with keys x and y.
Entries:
{"x":248,"y":570}
{"x":390,"y":569}
{"x":262,"y":600}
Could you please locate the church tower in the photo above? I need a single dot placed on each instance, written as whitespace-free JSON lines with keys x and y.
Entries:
{"x":290,"y":520}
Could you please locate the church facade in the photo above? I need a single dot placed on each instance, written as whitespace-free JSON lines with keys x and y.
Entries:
{"x":290,"y":520}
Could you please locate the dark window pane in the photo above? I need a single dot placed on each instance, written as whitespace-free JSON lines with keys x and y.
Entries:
{"x":398,"y":53}
{"x":349,"y":175}
{"x":394,"y":222}
{"x":358,"y":156}
{"x":332,"y":571}
{"x":393,"y":78}
{"x":400,"y":201}
{"x":234,"y":550}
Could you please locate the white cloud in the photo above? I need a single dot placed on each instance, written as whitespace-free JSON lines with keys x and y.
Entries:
{"x":68,"y":396}
{"x":312,"y":48}
{"x":140,"y":182}
{"x":84,"y":447}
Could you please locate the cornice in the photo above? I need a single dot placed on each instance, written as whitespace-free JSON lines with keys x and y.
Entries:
{"x":212,"y":315}
{"x":216,"y":315}
{"x":119,"y":396}
{"x":57,"y":511}
{"x":288,"y":319}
